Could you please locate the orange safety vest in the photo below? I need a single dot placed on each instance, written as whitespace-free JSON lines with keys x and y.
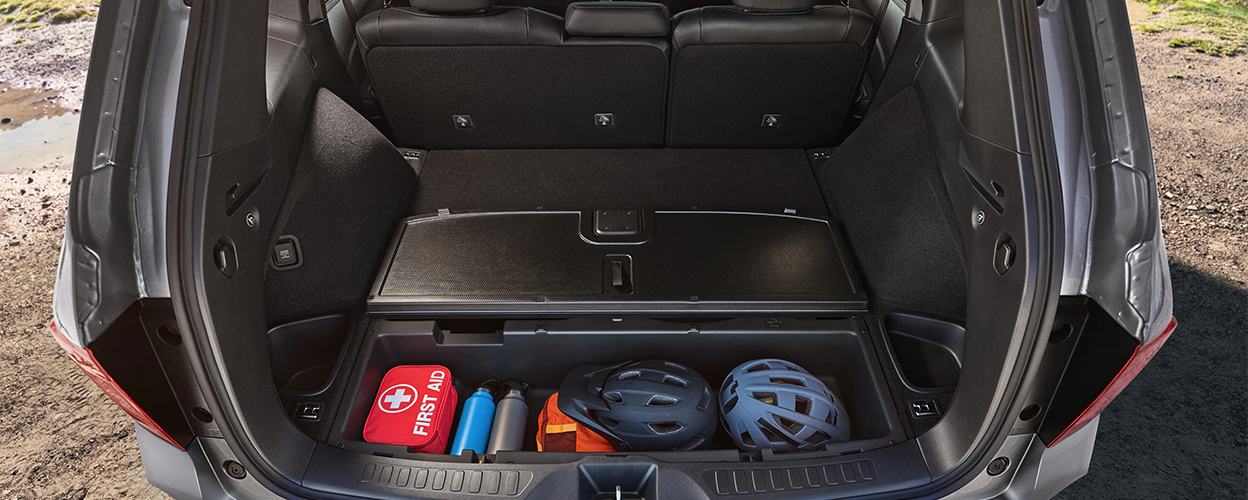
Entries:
{"x":558,"y":432}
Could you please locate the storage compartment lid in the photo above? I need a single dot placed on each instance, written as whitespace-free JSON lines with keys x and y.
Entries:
{"x":562,"y":263}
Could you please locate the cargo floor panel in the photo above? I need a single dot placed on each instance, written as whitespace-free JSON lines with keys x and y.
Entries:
{"x":542,"y":352}
{"x":764,"y":180}
{"x":561,"y":263}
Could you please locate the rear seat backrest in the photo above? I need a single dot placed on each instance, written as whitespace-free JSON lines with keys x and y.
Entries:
{"x":462,"y":74}
{"x":342,"y":16}
{"x":673,"y":6}
{"x":765,"y":73}
{"x":886,"y":42}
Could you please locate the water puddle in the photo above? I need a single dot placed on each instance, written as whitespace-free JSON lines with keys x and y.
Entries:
{"x":34,"y":129}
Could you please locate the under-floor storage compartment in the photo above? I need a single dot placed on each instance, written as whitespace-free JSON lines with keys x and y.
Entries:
{"x":556,"y":263}
{"x":542,"y":352}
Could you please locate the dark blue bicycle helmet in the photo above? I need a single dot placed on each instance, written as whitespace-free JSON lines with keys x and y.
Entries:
{"x":646,"y":406}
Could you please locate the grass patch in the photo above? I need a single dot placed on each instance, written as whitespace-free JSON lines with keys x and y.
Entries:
{"x":1206,"y":46}
{"x":21,"y":13}
{"x":71,"y":14}
{"x":1225,"y":20}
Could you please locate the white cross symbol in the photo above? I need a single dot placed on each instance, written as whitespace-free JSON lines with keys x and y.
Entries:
{"x":397,"y":399}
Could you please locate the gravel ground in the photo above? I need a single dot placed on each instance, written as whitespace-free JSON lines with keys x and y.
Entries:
{"x":1179,"y":431}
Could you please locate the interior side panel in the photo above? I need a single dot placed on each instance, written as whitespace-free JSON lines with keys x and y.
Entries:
{"x":348,"y":189}
{"x":909,"y":251}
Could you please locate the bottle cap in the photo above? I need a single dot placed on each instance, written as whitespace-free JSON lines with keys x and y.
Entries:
{"x":490,"y":386}
{"x":517,"y":386}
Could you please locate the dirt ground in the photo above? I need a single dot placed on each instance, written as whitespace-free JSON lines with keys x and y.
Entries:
{"x":1178,"y":431}
{"x":60,"y":437}
{"x":53,"y":56}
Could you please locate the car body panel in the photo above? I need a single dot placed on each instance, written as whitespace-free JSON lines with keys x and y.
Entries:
{"x":114,"y":249}
{"x":1115,"y":249}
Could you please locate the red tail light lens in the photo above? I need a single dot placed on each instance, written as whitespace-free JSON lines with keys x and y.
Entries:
{"x":1142,"y":355}
{"x":86,"y":360}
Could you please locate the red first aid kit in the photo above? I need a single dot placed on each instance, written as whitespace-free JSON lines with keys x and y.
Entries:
{"x":415,"y":406}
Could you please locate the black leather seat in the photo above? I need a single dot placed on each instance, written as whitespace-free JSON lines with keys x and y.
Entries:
{"x":673,"y":6}
{"x":886,"y":41}
{"x":765,"y":73}
{"x":464,"y":74}
{"x":342,"y":16}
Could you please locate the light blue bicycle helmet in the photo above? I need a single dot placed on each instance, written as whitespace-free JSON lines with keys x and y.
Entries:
{"x":772,"y":403}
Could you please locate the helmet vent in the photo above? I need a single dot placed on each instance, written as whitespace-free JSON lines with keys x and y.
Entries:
{"x":662,"y":400}
{"x":802,"y":405}
{"x":676,"y":381}
{"x":690,"y":444}
{"x":706,"y":399}
{"x":766,"y":397}
{"x":747,"y":439}
{"x":733,"y":389}
{"x":788,"y":425}
{"x":789,"y":381}
{"x":677,"y":366}
{"x":728,"y":383}
{"x":732,"y":403}
{"x":666,"y":427}
{"x":610,"y":423}
{"x":613,"y":397}
{"x":629,"y":375}
{"x":818,"y":437}
{"x":771,"y":436}
{"x":756,"y":368}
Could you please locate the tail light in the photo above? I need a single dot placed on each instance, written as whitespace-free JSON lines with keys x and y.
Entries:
{"x":1142,"y":355}
{"x":86,"y":360}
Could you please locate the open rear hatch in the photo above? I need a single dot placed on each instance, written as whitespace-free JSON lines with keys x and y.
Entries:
{"x":873,"y":265}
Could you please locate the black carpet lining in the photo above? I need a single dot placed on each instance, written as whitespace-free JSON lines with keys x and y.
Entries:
{"x":885,"y":185}
{"x":763,"y":180}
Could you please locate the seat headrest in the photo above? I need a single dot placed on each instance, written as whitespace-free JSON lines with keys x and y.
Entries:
{"x":775,"y":5}
{"x":617,"y":19}
{"x":452,"y":6}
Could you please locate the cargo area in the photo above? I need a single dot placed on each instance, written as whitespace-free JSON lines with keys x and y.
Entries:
{"x":525,"y":264}
{"x":536,"y":195}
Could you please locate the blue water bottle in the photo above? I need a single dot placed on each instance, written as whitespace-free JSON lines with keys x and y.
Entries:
{"x":476,"y":419}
